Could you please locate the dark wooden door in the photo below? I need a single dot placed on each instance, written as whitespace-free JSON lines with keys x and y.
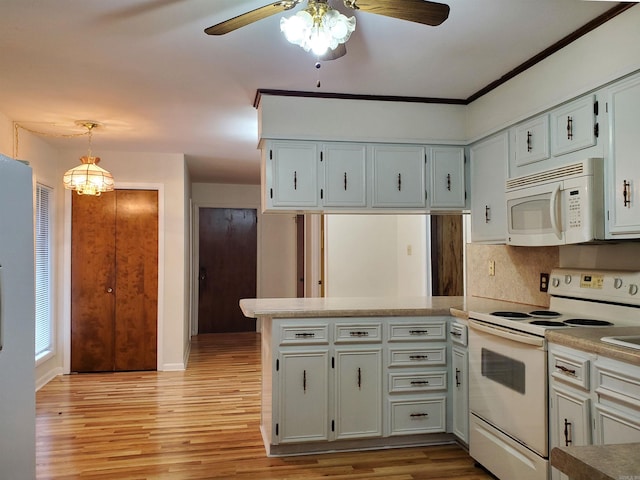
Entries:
{"x":447,"y":246}
{"x":227,"y":272}
{"x":114,"y":281}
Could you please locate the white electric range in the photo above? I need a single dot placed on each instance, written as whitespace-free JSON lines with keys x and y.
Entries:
{"x":508,"y":394}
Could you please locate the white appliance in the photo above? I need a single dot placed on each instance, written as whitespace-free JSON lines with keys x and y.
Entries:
{"x":17,"y":318}
{"x":560,"y":206}
{"x":508,"y":396}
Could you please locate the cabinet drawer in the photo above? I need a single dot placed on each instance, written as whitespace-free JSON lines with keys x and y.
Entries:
{"x":401,"y":357}
{"x":417,"y":331}
{"x":420,"y":416}
{"x":570,"y":369}
{"x":358,"y":333}
{"x":618,"y":385}
{"x":417,"y":382}
{"x":304,"y":335}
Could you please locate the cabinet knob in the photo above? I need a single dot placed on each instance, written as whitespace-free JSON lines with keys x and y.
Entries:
{"x":109,"y":290}
{"x":633,"y":289}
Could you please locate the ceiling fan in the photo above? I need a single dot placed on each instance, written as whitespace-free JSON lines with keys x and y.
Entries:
{"x":324,"y":30}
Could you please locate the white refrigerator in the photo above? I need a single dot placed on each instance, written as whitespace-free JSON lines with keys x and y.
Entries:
{"x":17,"y":322}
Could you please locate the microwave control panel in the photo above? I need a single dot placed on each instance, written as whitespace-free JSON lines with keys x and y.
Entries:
{"x":574,"y":219}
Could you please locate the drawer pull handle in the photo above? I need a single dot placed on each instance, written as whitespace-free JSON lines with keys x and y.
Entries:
{"x":456,"y":334}
{"x":418,"y":357}
{"x":566,"y":370}
{"x":419,"y":382}
{"x":305,"y":335}
{"x":567,"y":433}
{"x":418,"y":332}
{"x":359,"y":334}
{"x":416,"y":415}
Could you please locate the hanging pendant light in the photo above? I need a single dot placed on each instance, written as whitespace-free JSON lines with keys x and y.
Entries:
{"x":88,"y":178}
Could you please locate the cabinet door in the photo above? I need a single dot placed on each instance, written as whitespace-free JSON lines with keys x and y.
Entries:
{"x":446,"y":179}
{"x":624,"y":183}
{"x":531,"y":143}
{"x":398,"y":176}
{"x":294,"y":167}
{"x":614,"y":425}
{"x":488,"y":205}
{"x":303,"y":391}
{"x":358,"y":393}
{"x":570,"y":421}
{"x":572,"y":126}
{"x":344,"y":175}
{"x":460,"y":393}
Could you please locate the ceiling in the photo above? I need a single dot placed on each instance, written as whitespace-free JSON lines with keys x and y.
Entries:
{"x":147,"y":72}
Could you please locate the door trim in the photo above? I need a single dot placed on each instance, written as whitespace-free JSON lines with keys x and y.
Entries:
{"x":66,"y":272}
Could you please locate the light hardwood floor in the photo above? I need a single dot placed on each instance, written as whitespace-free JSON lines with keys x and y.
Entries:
{"x":202,"y":423}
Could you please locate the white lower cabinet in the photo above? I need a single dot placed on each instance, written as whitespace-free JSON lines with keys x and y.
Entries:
{"x":460,"y":392}
{"x":593,"y":400}
{"x":354,"y":383}
{"x":303,"y":390}
{"x":358,"y":393}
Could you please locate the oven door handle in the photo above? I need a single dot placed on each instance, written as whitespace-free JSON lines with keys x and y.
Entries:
{"x":508,"y":334}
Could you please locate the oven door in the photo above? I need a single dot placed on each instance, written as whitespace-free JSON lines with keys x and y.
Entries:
{"x":533,"y":215}
{"x":507,"y":383}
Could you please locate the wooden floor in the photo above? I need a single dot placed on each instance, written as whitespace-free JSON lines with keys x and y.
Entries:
{"x":198,"y":424}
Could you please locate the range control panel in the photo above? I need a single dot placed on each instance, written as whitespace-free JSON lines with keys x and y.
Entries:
{"x":605,"y":285}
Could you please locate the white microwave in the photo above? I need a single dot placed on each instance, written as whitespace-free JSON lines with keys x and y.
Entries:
{"x":559,"y":206}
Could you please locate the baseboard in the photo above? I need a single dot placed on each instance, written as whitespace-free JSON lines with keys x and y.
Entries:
{"x":50,"y":375}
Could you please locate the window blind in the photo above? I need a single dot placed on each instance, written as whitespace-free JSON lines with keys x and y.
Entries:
{"x":44,"y":330}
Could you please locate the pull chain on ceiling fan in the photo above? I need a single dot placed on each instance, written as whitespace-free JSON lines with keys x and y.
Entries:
{"x":324,"y":30}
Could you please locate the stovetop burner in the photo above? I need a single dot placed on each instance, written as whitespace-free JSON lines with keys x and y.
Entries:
{"x":511,"y":314}
{"x":587,"y":322}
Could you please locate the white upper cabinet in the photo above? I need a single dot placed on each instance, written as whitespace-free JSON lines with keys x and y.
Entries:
{"x":345,"y":175}
{"x":488,"y":205}
{"x":573,"y":126}
{"x":398,"y":176}
{"x":291,"y":171}
{"x":623,"y":103}
{"x":446,"y":178}
{"x":530,"y":142}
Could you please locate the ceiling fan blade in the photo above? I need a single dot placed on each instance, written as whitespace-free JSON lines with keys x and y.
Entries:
{"x":339,"y":51}
{"x":419,"y":11}
{"x":250,"y":17}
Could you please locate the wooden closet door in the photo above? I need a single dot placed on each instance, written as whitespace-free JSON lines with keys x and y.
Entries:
{"x":93,"y":249}
{"x":114,"y":281}
{"x":136,"y":273}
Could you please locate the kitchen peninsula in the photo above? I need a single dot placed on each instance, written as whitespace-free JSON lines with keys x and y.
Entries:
{"x":355,"y":373}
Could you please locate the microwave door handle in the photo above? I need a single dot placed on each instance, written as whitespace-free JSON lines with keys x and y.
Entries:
{"x":555,"y":221}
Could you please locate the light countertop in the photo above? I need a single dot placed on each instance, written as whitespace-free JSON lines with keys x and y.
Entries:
{"x":370,"y":306}
{"x":588,"y":340}
{"x":598,"y":462}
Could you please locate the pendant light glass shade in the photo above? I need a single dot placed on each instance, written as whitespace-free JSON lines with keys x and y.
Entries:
{"x":318,"y":28}
{"x":88,"y":178}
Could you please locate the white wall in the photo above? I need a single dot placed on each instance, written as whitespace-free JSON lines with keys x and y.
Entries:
{"x":603,"y":55}
{"x":366,"y":255}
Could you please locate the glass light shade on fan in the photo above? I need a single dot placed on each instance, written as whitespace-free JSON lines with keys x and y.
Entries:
{"x":318,"y":34}
{"x":88,"y":178}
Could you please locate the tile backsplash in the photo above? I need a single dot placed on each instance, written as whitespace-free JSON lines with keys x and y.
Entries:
{"x":517,"y":272}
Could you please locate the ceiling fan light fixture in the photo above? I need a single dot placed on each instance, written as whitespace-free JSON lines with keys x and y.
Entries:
{"x":318,"y":28}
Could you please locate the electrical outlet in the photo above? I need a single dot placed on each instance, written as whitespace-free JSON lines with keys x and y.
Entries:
{"x":544,"y":282}
{"x":492,"y":268}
